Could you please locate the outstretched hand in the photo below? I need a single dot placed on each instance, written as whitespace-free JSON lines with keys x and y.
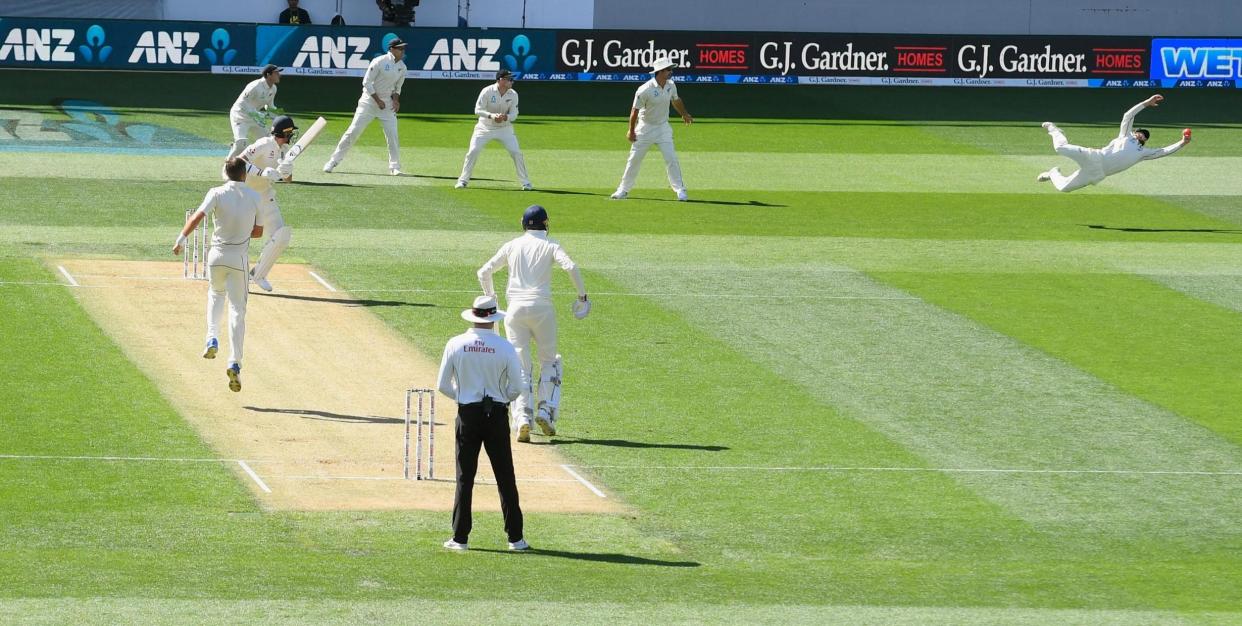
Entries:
{"x":1155,"y":100}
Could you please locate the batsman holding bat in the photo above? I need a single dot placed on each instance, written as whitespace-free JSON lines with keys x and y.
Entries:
{"x":1122,"y":153}
{"x":530,"y":314}
{"x":265,"y":168}
{"x":249,"y":114}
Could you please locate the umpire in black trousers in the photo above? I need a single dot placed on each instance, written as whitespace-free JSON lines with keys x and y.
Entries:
{"x":482,"y":372}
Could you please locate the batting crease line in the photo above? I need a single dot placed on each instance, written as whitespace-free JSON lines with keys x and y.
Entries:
{"x":321,"y":280}
{"x":583,"y":481}
{"x":259,"y":481}
{"x":68,"y":275}
{"x":480,"y":480}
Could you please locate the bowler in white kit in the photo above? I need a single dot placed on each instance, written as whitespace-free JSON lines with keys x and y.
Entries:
{"x":249,"y":113}
{"x":234,"y":207}
{"x":381,"y":99}
{"x":1122,"y":153}
{"x":649,"y":126}
{"x":265,"y":168}
{"x":530,"y":315}
{"x":496,"y":108}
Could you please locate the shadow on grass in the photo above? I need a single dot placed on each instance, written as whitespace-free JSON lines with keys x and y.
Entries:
{"x":714,"y":202}
{"x":345,"y":301}
{"x":598,"y":557}
{"x":622,"y":443}
{"x":307,"y":183}
{"x":1131,"y":229}
{"x":325,"y":415}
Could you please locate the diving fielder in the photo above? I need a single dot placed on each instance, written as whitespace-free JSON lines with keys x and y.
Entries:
{"x":530,"y":314}
{"x":266,"y":168}
{"x":381,"y":99}
{"x":1122,"y":153}
{"x":649,"y":125}
{"x":235,"y":207}
{"x":247,"y":117}
{"x":496,"y":107}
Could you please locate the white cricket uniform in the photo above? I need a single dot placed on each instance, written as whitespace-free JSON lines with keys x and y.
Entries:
{"x":490,"y":103}
{"x":1096,"y":164}
{"x":256,"y":96}
{"x":263,"y":154}
{"x":466,"y":378}
{"x":235,"y":209}
{"x":652,"y":102}
{"x":529,"y":312}
{"x":384,"y":78}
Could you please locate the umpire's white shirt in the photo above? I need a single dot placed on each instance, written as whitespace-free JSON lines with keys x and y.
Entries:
{"x":384,"y":77}
{"x":235,"y":209}
{"x":530,"y":258}
{"x":479,"y":362}
{"x":652,"y":102}
{"x":255,"y":96}
{"x":490,"y":103}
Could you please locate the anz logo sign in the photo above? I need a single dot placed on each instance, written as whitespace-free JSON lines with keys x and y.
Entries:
{"x":464,"y":54}
{"x":159,"y":47}
{"x":342,"y":52}
{"x":38,"y":44}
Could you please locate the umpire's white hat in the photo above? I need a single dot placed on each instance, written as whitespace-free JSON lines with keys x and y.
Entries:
{"x":483,"y":311}
{"x":662,"y":63}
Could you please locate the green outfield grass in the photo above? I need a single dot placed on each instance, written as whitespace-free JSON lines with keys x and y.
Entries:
{"x":872,"y":373}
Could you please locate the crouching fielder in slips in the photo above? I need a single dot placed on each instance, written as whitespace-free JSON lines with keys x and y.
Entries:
{"x":1122,"y":153}
{"x":496,"y":107}
{"x":530,"y":314}
{"x":235,"y":209}
{"x":265,"y":169}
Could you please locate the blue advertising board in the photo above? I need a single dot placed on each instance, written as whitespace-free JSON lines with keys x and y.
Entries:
{"x":123,"y":44}
{"x":1197,"y":62}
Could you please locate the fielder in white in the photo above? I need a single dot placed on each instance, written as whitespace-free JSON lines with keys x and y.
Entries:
{"x":381,"y":99}
{"x":649,"y":125}
{"x":496,"y":107}
{"x":530,"y":314}
{"x":235,"y":209}
{"x":1122,"y":153}
{"x":266,"y":168}
{"x":249,"y":113}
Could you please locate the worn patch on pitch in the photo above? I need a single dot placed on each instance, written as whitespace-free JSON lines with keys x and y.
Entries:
{"x":320,"y":417}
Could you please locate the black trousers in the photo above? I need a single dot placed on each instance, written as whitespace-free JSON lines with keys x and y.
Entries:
{"x":477,"y":428}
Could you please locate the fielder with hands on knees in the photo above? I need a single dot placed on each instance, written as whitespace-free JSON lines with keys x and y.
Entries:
{"x":265,"y":168}
{"x":649,"y":125}
{"x":1122,"y":153}
{"x":235,"y":209}
{"x":250,"y":112}
{"x":481,"y":372}
{"x":496,"y":107}
{"x":381,"y":99}
{"x":530,"y":314}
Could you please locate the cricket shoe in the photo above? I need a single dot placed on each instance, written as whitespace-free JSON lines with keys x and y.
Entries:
{"x":234,"y":374}
{"x":545,"y":422}
{"x":681,"y":196}
{"x":212,"y":347}
{"x":261,"y":282}
{"x":329,"y":166}
{"x":396,"y":171}
{"x":453,"y":545}
{"x":519,"y":546}
{"x":524,"y":433}
{"x":1045,"y":176}
{"x":527,"y":187}
{"x":461,"y":184}
{"x":620,"y":195}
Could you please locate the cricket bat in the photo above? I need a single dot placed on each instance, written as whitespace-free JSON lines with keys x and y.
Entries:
{"x":304,"y":141}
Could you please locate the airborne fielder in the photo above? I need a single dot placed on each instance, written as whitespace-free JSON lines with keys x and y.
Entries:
{"x":234,"y":207}
{"x":266,"y":168}
{"x":1122,"y":153}
{"x":530,"y":314}
{"x":496,"y":107}
{"x":248,"y":117}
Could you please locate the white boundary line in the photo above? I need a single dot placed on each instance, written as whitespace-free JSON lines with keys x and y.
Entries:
{"x":321,"y":280}
{"x":69,"y":276}
{"x":258,"y":481}
{"x":52,"y":457}
{"x":584,"y":481}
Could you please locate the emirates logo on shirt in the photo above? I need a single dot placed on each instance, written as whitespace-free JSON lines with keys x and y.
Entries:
{"x":479,"y":346}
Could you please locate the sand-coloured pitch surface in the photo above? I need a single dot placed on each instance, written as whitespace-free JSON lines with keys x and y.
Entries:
{"x":320,"y":417}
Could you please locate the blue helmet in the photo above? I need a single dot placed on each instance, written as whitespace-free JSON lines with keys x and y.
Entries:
{"x":535,"y":218}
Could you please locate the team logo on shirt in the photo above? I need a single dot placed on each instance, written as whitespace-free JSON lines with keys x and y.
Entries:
{"x":479,"y":346}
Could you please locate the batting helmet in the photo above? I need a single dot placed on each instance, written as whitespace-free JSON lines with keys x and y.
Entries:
{"x":283,"y":126}
{"x":535,"y":218}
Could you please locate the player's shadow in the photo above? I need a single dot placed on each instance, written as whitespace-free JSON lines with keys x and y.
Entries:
{"x":313,"y":414}
{"x":713,"y":202}
{"x":307,"y":183}
{"x":345,"y":301}
{"x":623,"y":443}
{"x":598,"y":557}
{"x":1131,"y":229}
